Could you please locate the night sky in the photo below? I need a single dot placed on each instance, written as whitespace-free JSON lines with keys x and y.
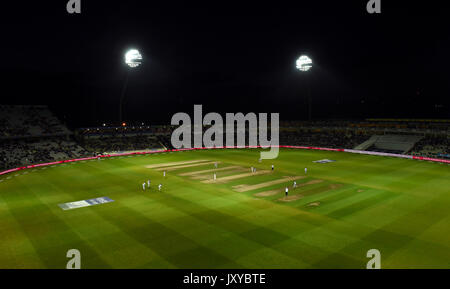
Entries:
{"x":230,"y":56}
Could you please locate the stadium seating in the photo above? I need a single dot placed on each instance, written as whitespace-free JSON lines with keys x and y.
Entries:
{"x":432,"y":146}
{"x":31,"y":134}
{"x":119,"y":144}
{"x":321,"y":139}
{"x":394,"y":143}
{"x":21,"y":152}
{"x":29,"y":120}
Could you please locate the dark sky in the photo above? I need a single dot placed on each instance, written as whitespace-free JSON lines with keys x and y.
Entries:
{"x":230,"y":56}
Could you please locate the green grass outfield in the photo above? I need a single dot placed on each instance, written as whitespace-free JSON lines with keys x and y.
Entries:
{"x":400,"y":207}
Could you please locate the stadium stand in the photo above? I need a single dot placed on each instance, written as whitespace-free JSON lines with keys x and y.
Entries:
{"x":368,"y":143}
{"x":433,"y":147}
{"x":321,"y":139}
{"x":24,"y":151}
{"x":32,"y":134}
{"x":119,"y":144}
{"x":394,"y":143}
{"x":27,"y":120}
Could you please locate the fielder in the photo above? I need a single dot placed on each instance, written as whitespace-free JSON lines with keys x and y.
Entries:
{"x":143,"y":186}
{"x":286,"y":191}
{"x":214,"y":176}
{"x":306,"y":170}
{"x":164,"y":174}
{"x":148,"y":184}
{"x":273,"y":167}
{"x":159,"y":187}
{"x":295,"y":184}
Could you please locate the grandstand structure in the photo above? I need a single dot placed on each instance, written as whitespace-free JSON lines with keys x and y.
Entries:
{"x":390,"y":143}
{"x":32,"y":134}
{"x":120,"y":139}
{"x":438,"y":147}
{"x":120,"y":143}
{"x":21,"y":121}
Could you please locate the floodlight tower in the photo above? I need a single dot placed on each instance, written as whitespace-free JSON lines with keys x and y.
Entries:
{"x":304,"y":64}
{"x":132,"y":59}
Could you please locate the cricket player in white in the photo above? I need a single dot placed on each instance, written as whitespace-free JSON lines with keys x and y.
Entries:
{"x":143,"y":186}
{"x":148,"y":184}
{"x":286,"y":191}
{"x":164,"y":173}
{"x":295,"y":184}
{"x":273,"y":167}
{"x":214,"y":176}
{"x":159,"y":187}
{"x":251,"y":168}
{"x":306,"y":170}
{"x":215,"y":165}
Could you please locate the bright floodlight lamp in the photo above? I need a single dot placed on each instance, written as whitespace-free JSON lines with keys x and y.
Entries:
{"x":133,"y":58}
{"x":303,"y":63}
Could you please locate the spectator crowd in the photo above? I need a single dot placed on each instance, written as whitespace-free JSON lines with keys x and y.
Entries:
{"x":28,"y":120}
{"x":433,"y":147}
{"x":32,"y":134}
